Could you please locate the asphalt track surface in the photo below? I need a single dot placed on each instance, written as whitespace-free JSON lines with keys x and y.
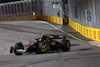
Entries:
{"x":81,"y":54}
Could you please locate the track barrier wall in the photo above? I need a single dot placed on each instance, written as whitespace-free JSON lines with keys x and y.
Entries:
{"x":53,"y":19}
{"x":92,"y":33}
{"x":21,"y":18}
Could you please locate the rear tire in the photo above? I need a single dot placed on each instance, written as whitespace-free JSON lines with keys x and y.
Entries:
{"x":47,"y":45}
{"x":39,"y":51}
{"x":44,"y":47}
{"x":65,"y":45}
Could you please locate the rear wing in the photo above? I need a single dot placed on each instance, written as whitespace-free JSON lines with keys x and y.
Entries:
{"x":57,"y":36}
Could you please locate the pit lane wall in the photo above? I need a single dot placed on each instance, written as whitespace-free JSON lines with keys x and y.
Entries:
{"x":92,"y":33}
{"x":53,"y":19}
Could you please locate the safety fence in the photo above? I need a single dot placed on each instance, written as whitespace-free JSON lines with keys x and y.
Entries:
{"x":92,"y":33}
{"x":16,"y":15}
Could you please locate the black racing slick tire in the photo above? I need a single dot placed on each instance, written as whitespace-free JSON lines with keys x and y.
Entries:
{"x":18,"y":46}
{"x":39,"y":51}
{"x":65,"y":45}
{"x":45,"y":47}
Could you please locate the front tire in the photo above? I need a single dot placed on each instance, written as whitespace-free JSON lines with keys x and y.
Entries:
{"x":18,"y":46}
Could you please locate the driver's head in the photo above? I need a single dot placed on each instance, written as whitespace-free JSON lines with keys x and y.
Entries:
{"x":42,"y":34}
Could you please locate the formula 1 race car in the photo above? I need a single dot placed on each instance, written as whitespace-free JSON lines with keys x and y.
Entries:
{"x":45,"y":44}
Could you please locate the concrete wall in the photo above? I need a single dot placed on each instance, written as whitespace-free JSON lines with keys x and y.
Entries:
{"x":79,"y":7}
{"x":38,"y":7}
{"x":47,"y":8}
{"x":97,"y":16}
{"x":84,"y":12}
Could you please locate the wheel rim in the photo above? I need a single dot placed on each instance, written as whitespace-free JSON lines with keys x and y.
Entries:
{"x":43,"y":48}
{"x":68,"y":45}
{"x":47,"y":47}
